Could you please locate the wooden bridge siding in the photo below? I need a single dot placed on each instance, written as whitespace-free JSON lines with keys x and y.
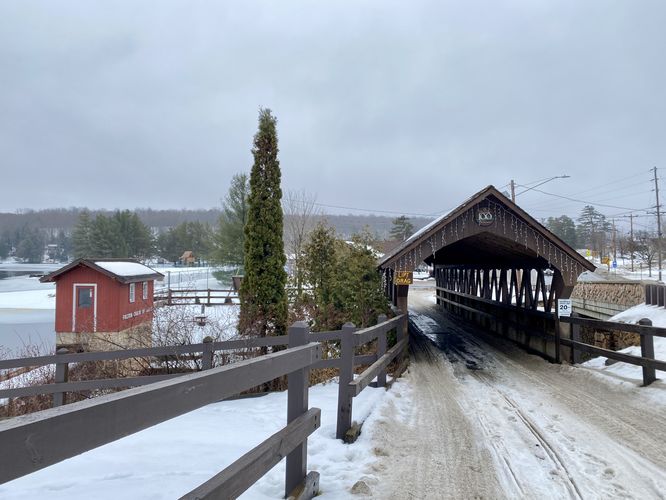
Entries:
{"x":487,"y":302}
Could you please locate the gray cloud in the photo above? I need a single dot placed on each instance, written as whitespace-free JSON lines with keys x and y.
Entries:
{"x":406,"y":106}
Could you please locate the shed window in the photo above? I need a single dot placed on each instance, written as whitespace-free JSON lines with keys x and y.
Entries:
{"x":84,"y":297}
{"x":144,"y":287}
{"x":132,"y":292}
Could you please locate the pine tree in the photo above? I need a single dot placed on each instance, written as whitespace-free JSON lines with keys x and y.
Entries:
{"x":401,"y":229}
{"x":82,"y":237}
{"x":263,"y":294}
{"x":230,"y":236}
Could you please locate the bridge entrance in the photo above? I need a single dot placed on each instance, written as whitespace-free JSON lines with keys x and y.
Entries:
{"x":496,"y":266}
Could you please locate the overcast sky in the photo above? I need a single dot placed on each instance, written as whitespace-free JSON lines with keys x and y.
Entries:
{"x":397,"y":106}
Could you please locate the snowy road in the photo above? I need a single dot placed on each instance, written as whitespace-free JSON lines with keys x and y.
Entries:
{"x":487,"y":420}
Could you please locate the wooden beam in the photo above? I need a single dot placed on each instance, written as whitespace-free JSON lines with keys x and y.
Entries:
{"x":247,"y":470}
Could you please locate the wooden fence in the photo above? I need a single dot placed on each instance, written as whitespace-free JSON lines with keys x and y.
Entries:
{"x":45,"y":438}
{"x":209,"y":296}
{"x":539,"y":332}
{"x":644,"y":328}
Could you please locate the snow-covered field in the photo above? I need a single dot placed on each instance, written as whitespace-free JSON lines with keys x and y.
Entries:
{"x":170,"y":459}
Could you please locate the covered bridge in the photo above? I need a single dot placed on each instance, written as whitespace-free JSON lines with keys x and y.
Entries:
{"x":495,"y":265}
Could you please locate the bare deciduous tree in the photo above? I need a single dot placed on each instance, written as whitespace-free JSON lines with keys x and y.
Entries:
{"x":301,"y":215}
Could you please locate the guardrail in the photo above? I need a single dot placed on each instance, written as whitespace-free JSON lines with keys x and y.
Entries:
{"x":50,"y":436}
{"x":644,"y":328}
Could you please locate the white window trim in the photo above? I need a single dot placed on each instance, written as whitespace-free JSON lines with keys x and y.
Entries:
{"x":132,"y":293}
{"x":75,"y":302}
{"x":144,"y":290}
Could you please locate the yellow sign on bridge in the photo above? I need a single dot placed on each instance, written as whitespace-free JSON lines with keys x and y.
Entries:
{"x":403,"y":278}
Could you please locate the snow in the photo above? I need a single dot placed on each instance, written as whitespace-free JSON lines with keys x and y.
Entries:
{"x":126,"y":269}
{"x":31,"y":299}
{"x":170,"y":459}
{"x":631,"y":375}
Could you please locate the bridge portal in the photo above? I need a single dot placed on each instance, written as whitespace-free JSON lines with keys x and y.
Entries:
{"x":495,"y":265}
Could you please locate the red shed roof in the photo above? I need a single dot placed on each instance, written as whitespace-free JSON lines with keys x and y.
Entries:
{"x":123,"y":270}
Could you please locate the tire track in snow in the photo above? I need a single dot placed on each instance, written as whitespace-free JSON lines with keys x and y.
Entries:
{"x":610,"y":436}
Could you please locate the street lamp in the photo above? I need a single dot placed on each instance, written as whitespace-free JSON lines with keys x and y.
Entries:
{"x":513,"y":185}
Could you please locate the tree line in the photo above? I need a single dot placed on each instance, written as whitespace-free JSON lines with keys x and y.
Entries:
{"x":594,"y":232}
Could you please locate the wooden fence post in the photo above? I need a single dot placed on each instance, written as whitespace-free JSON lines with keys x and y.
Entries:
{"x":647,"y":351}
{"x":381,"y":350}
{"x":207,"y":355}
{"x":61,"y":374}
{"x":297,"y":404}
{"x":346,"y":375}
{"x":169,"y":297}
{"x":575,"y":336}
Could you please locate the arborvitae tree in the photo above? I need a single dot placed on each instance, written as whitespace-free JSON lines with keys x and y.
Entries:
{"x":320,"y":263}
{"x":401,"y":229}
{"x":263,"y":295}
{"x":358,"y":288}
{"x":82,"y":237}
{"x":230,"y":236}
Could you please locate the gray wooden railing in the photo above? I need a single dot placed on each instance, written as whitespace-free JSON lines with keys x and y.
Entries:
{"x":50,"y":436}
{"x":644,"y":328}
{"x":208,"y":296}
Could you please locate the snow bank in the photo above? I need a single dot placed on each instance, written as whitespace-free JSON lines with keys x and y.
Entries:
{"x":624,"y":372}
{"x":168,"y":460}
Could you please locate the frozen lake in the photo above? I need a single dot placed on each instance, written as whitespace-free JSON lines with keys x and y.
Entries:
{"x":27,"y":309}
{"x":27,"y":327}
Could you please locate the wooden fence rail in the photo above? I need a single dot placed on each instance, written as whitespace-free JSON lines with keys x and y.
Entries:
{"x":209,"y":296}
{"x":50,"y":436}
{"x":644,"y":328}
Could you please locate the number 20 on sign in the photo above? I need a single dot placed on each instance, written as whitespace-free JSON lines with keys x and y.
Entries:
{"x":564,"y":307}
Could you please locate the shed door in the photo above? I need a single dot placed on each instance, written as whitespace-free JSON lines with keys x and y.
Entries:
{"x":84,"y":309}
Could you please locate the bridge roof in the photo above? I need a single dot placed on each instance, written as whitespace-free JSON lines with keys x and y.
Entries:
{"x":488,"y":230}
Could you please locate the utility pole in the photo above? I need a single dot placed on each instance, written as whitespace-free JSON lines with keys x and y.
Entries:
{"x":513,"y":191}
{"x":614,"y":243}
{"x":656,"y":191}
{"x":631,"y":240}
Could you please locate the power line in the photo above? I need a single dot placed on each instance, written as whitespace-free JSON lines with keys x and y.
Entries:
{"x":583,"y":201}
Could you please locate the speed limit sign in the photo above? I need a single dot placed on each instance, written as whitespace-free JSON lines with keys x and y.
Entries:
{"x":564,"y":307}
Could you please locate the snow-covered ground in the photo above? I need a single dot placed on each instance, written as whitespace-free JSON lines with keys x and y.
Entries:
{"x":486,"y":420}
{"x":624,"y":373}
{"x":170,"y":459}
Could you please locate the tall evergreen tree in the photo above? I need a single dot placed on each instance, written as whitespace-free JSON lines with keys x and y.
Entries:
{"x":263,"y":295}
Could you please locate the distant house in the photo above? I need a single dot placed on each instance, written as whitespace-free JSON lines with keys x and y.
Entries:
{"x":188,"y":258}
{"x":103,"y":304}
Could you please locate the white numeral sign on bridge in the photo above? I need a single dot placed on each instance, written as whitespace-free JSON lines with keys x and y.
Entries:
{"x":564,"y":307}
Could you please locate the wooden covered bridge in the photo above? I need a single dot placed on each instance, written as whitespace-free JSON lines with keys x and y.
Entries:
{"x":495,"y":265}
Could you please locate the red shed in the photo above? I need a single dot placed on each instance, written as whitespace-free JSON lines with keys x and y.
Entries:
{"x":103,"y":303}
